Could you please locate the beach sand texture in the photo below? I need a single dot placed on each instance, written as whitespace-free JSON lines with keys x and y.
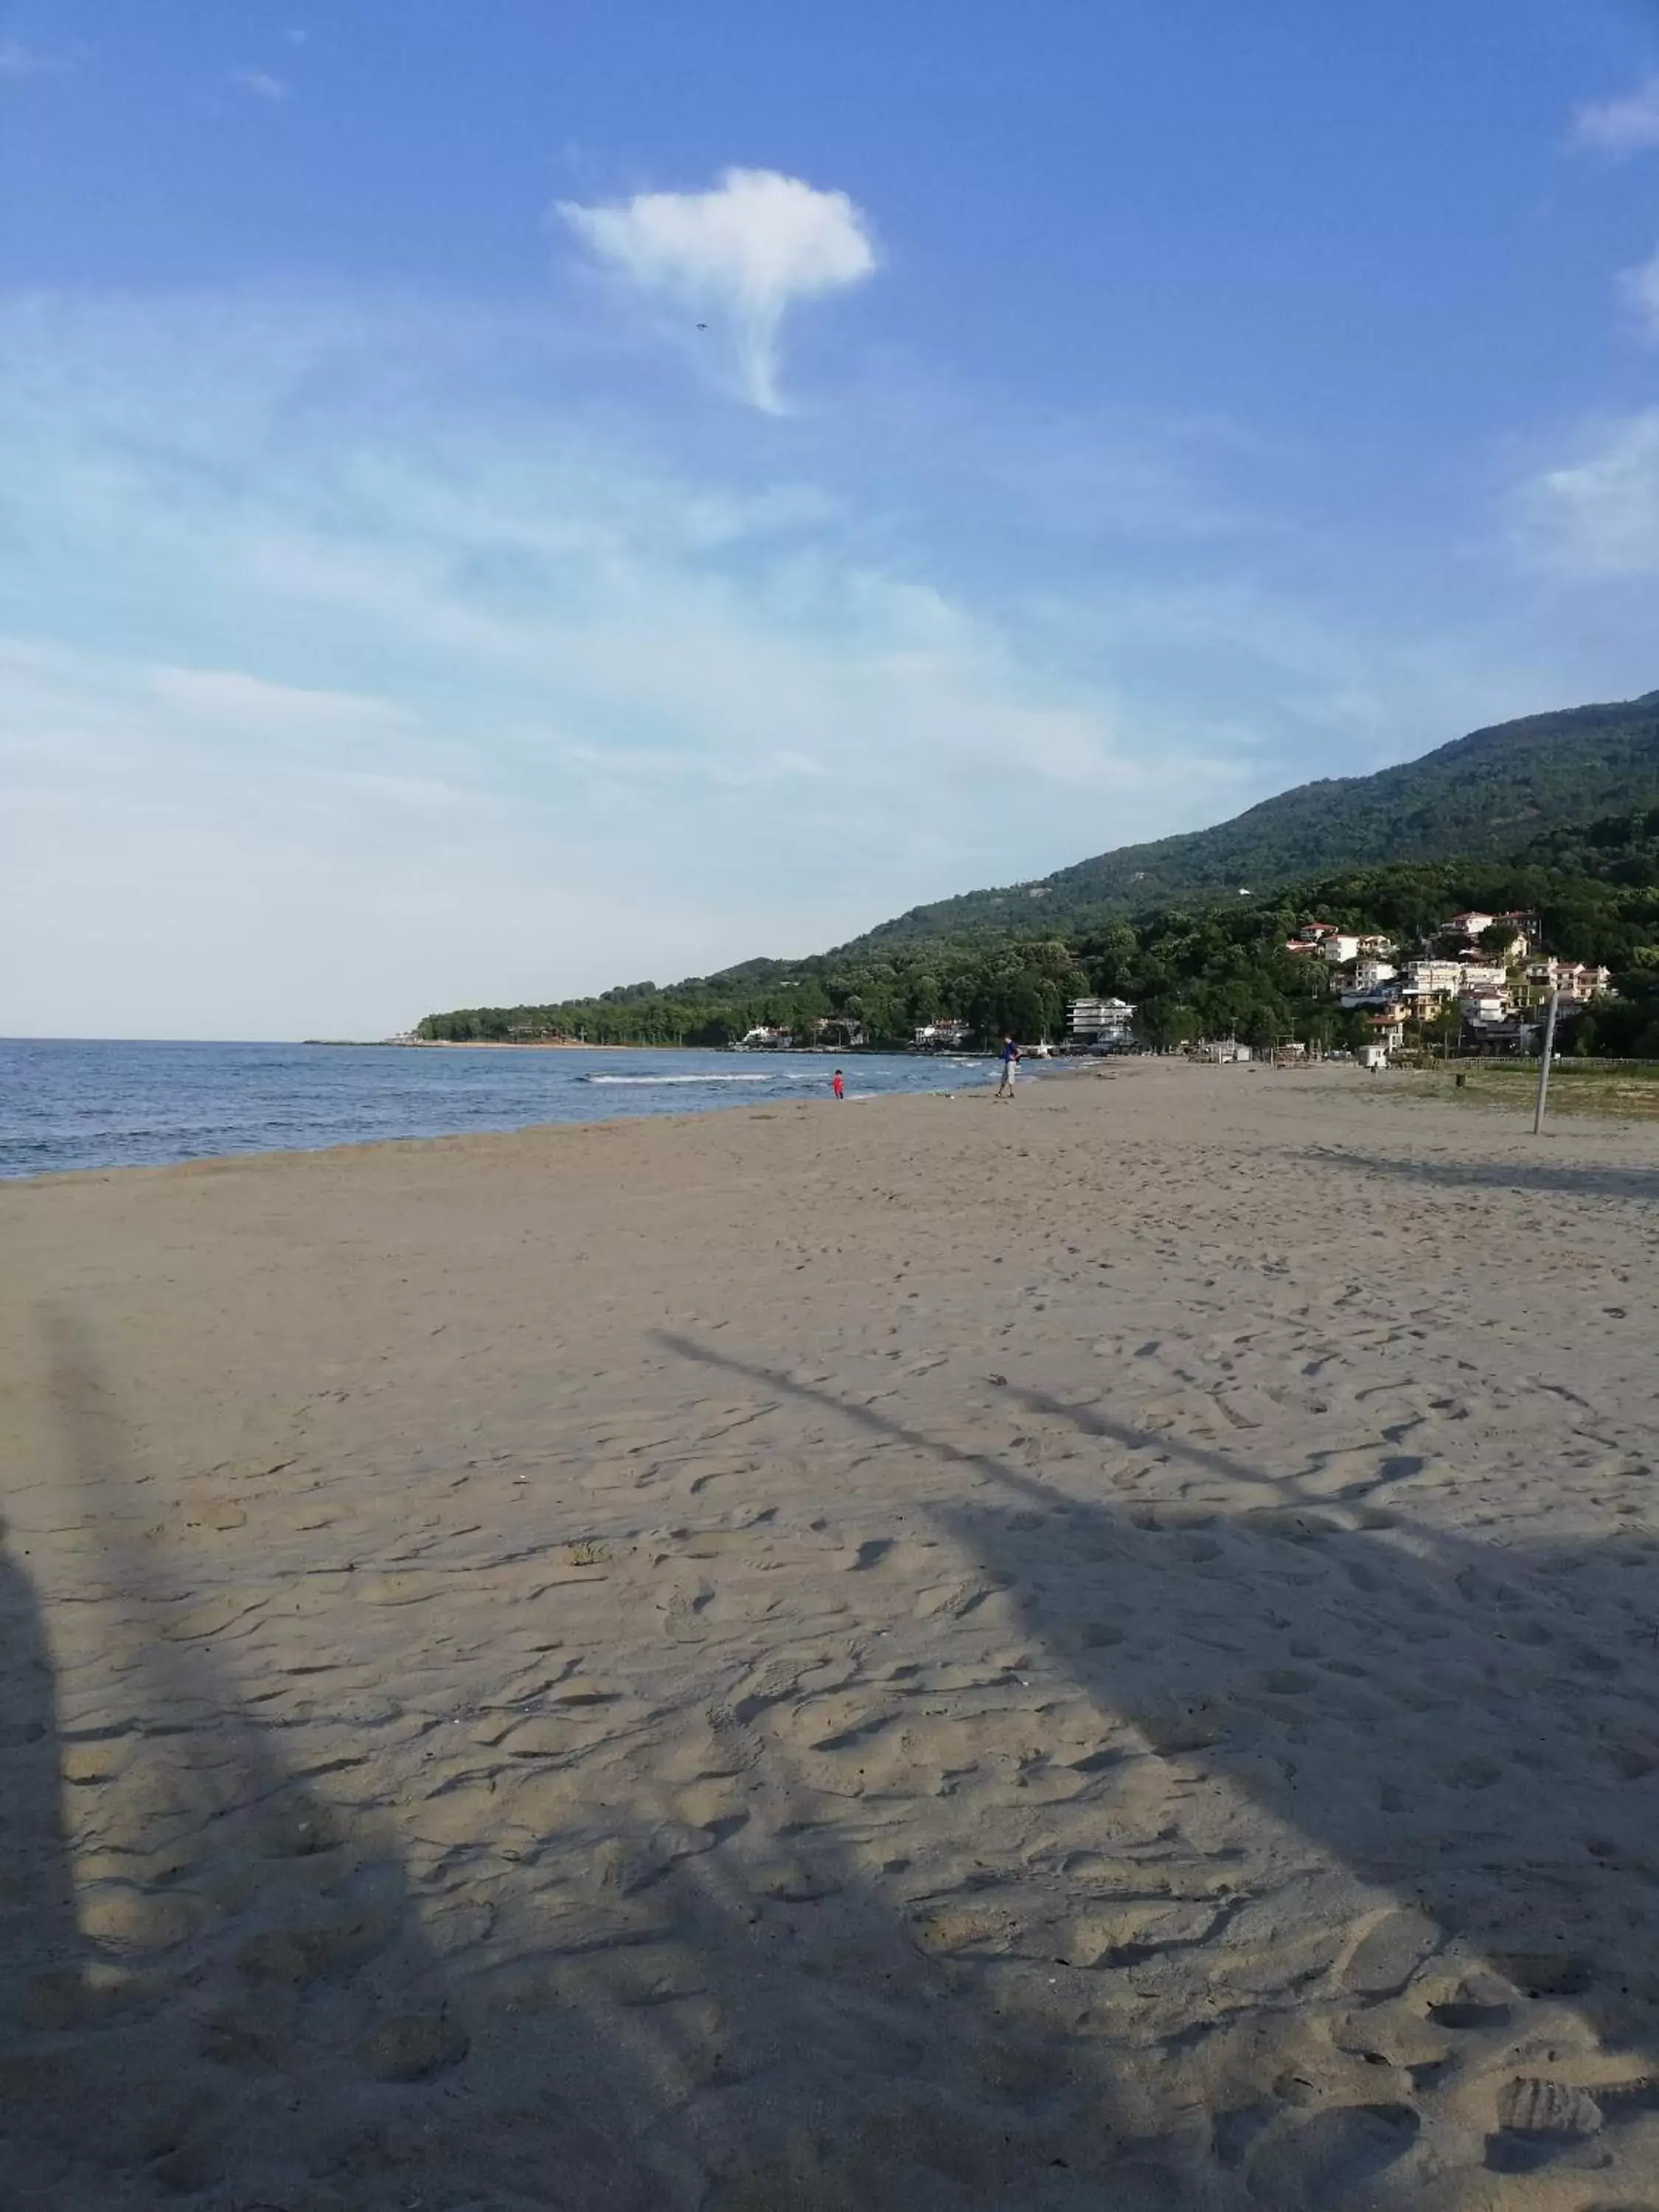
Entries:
{"x":1097,"y":1653}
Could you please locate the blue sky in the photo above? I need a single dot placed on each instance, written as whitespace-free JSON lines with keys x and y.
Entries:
{"x":500,"y":500}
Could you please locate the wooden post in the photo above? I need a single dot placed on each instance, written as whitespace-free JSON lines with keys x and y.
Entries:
{"x":1544,"y":1065}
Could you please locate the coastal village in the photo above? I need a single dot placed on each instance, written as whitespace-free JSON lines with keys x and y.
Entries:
{"x":1477,"y":984}
{"x":1480,"y":983}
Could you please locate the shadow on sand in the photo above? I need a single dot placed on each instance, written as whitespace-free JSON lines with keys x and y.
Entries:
{"x":1577,"y":1179}
{"x":235,"y":1971}
{"x":1456,"y":1723}
{"x":253,"y":2008}
{"x":40,"y":1935}
{"x":257,"y":2008}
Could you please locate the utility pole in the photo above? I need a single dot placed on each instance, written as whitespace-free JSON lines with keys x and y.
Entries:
{"x":1544,"y":1064}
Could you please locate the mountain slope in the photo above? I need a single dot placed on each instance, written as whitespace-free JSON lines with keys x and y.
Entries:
{"x":1486,"y":794}
{"x":1220,"y":970}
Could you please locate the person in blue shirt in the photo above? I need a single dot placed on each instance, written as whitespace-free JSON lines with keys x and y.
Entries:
{"x":1010,"y":1064}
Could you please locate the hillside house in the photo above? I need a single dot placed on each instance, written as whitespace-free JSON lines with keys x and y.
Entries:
{"x":1484,"y":975}
{"x":1522,"y":931}
{"x":1517,"y":1035}
{"x":1526,"y":926}
{"x":1576,"y":979}
{"x":1376,"y":1001}
{"x":1370,"y":973}
{"x":1313,"y":937}
{"x":1430,"y":983}
{"x":1099,"y":1021}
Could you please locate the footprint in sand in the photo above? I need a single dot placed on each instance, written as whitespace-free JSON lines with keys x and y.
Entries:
{"x":412,"y":2046}
{"x":1332,"y":2157}
{"x":1389,"y":1953}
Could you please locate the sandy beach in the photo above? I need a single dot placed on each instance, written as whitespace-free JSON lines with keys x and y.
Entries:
{"x":1099,"y":1653}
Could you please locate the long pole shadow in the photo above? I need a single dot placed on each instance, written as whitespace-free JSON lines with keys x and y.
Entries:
{"x":40,"y":1938}
{"x":1453,"y":1725}
{"x":1577,"y":1179}
{"x":242,"y":1972}
{"x":246,"y":2009}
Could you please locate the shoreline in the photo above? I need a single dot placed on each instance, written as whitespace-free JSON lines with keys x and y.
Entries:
{"x":576,"y":1045}
{"x":732,"y":1083}
{"x":1504,"y":1113}
{"x":207,"y":1163}
{"x":481,"y":1044}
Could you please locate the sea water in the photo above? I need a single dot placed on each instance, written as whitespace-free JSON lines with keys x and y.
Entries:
{"x":66,"y":1104}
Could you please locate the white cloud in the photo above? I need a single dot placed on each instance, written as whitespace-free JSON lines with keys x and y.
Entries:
{"x":1625,"y":125}
{"x":734,"y":258}
{"x":1598,"y":518}
{"x":1641,"y":290}
{"x":262,"y":84}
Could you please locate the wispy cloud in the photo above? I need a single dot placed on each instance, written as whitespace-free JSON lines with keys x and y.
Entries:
{"x":1641,"y":290}
{"x":351,"y":682}
{"x":262,"y":85}
{"x":519,"y":649}
{"x":1597,"y":518}
{"x":733,"y":260}
{"x":236,"y":705}
{"x":1628,"y":124}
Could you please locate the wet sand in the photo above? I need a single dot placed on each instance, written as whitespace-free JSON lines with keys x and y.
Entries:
{"x":1096,"y":1653}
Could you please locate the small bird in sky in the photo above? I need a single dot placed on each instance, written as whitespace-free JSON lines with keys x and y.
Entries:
{"x":703,"y":326}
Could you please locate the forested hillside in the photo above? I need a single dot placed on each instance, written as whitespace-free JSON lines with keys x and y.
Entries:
{"x":1481,"y":796}
{"x":1191,"y":970}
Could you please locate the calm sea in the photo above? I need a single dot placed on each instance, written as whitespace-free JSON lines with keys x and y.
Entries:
{"x":98,"y":1105}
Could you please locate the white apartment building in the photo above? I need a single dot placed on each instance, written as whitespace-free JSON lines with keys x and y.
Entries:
{"x":1338,"y":948}
{"x":1105,"y":1020}
{"x":1369,"y":973}
{"x":1431,"y":980}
